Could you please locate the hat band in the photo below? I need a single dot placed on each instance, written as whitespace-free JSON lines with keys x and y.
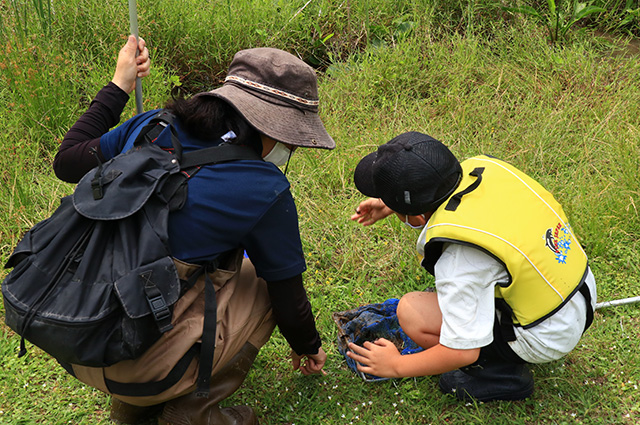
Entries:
{"x":272,"y":91}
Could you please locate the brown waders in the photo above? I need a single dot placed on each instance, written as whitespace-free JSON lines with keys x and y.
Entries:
{"x":193,"y":410}
{"x":127,"y":414}
{"x":244,"y":324}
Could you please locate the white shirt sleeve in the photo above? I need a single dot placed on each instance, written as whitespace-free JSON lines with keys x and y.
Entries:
{"x":465,"y":280}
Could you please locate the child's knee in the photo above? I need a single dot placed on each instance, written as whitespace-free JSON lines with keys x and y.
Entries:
{"x":418,"y":310}
{"x":408,"y":308}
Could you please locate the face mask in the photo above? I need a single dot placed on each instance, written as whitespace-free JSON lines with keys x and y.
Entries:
{"x":279,"y":155}
{"x":406,"y":221}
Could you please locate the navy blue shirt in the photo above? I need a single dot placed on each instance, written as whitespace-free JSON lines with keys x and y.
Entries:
{"x":234,"y":204}
{"x":244,"y":203}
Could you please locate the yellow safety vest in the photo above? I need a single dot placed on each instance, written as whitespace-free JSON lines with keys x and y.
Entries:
{"x":500,"y":210}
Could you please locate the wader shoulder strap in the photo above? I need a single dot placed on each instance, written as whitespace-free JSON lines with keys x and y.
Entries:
{"x":142,"y":389}
{"x":208,"y":345}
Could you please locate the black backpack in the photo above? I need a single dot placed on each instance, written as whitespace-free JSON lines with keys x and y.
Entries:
{"x":94,"y":284}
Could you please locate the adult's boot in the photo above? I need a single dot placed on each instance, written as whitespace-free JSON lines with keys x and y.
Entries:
{"x":127,"y":414}
{"x":192,"y":410}
{"x":488,"y":382}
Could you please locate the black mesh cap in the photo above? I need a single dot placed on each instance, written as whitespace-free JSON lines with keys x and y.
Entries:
{"x":412,"y":174}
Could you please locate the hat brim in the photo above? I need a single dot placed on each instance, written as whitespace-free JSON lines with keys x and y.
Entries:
{"x":363,"y":176}
{"x":279,"y":121}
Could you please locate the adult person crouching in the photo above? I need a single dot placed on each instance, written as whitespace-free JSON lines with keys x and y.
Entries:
{"x":269,"y":101}
{"x":513,"y":285}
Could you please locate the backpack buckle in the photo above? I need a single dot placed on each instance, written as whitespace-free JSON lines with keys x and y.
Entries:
{"x":161,"y":313}
{"x":159,"y":308}
{"x":157,"y":304}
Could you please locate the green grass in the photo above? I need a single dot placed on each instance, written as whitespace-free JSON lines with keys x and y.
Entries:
{"x":464,"y":72}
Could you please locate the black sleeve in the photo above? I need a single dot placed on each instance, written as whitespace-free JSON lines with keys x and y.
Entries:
{"x":74,"y":157}
{"x":293,"y":315}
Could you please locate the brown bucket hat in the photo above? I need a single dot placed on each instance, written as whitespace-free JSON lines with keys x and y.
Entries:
{"x":277,"y":93}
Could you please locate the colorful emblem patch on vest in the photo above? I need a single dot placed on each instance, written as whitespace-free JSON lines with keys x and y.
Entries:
{"x":558,"y":240}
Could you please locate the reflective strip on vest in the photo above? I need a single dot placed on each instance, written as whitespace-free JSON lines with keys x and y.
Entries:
{"x":514,"y":219}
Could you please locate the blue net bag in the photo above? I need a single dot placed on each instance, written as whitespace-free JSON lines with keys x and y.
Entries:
{"x":368,"y":323}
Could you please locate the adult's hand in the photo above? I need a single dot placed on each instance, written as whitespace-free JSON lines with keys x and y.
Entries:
{"x":313,"y":364}
{"x":130,"y":66}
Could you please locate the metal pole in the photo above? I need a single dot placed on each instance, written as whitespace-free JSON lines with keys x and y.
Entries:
{"x":133,"y":26}
{"x":613,"y":303}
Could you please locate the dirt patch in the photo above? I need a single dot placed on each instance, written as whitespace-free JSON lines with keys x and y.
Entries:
{"x":626,"y":47}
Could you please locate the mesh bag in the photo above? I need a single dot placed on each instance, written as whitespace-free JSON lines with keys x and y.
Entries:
{"x":368,"y":323}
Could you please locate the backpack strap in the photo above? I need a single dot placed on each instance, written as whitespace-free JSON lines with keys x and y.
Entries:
{"x":175,"y":189}
{"x":217,"y":154}
{"x":154,"y":127}
{"x":223,"y":152}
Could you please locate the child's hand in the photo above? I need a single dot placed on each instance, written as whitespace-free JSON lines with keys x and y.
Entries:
{"x":371,"y":210}
{"x":376,"y":358}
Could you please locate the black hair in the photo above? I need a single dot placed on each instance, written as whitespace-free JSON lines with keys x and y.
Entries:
{"x":208,"y":117}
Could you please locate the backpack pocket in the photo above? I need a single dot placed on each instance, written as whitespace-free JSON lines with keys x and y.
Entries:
{"x":97,"y":324}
